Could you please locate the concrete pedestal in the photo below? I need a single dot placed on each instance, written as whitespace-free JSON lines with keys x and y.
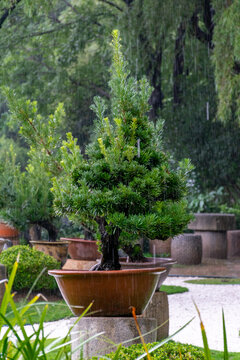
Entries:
{"x":233,"y":243}
{"x":186,"y":249}
{"x":213,"y":229}
{"x":158,"y":309}
{"x":116,"y":330}
{"x":159,"y":247}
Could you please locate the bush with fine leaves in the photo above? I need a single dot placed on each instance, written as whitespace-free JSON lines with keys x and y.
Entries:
{"x":168,"y":351}
{"x":31,"y":263}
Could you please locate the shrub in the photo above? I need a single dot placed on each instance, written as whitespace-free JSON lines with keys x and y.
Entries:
{"x":169,"y":351}
{"x":31,"y":263}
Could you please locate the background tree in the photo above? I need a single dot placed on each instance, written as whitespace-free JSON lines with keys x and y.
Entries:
{"x":61,"y":53}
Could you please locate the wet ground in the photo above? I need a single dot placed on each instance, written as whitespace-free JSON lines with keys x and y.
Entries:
{"x":210,"y":267}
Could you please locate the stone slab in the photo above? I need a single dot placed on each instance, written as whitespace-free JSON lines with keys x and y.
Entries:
{"x":213,"y":222}
{"x":116,"y":330}
{"x":233,"y":243}
{"x":158,"y":309}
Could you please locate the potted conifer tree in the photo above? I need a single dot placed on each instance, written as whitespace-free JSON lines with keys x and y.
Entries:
{"x":27,"y":203}
{"x":124,"y":187}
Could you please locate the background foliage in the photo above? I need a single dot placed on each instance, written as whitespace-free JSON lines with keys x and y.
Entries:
{"x":58,"y":51}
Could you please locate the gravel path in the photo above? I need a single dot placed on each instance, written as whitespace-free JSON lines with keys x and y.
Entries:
{"x":210,"y":299}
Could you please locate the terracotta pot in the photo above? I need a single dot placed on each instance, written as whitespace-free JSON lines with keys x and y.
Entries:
{"x":9,"y":232}
{"x":167,"y":263}
{"x":81,"y":249}
{"x":112,"y":292}
{"x":57,"y":249}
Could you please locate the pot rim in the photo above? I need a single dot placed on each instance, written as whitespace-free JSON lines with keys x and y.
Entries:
{"x":164,"y":261}
{"x":63,"y":272}
{"x":46,"y":242}
{"x":78,"y":240}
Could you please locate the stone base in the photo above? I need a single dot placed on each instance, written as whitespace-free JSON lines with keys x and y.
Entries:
{"x":186,"y":249}
{"x":116,"y":330}
{"x":158,"y":309}
{"x":159,"y":247}
{"x":78,"y":264}
{"x":214,"y":244}
{"x":233,"y":243}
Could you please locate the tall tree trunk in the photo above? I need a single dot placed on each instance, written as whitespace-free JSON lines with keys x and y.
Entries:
{"x":178,"y":63}
{"x":156,"y":97}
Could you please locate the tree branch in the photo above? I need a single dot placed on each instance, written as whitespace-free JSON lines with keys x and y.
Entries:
{"x":7,"y":12}
{"x":91,"y":86}
{"x":204,"y":37}
{"x":112,"y":4}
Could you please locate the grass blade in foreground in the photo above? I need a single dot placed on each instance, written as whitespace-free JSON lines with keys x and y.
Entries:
{"x":225,"y":355}
{"x":204,"y":335}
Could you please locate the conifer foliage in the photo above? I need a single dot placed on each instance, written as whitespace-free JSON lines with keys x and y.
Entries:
{"x":124,"y":186}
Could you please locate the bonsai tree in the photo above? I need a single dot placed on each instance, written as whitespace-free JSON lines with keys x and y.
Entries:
{"x":124,"y":186}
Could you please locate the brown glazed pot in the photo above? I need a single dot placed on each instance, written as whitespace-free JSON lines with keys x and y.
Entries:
{"x":81,"y":249}
{"x":56,"y":249}
{"x":167,"y":263}
{"x":112,"y":292}
{"x":9,"y":232}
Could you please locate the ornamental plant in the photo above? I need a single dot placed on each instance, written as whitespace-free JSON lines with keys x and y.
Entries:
{"x":26,"y":199}
{"x":32,"y":263}
{"x":124,"y":186}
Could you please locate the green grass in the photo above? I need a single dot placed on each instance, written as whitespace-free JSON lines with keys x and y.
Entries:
{"x":218,"y":355}
{"x":163,"y":255}
{"x":214,"y":281}
{"x":56,"y":311}
{"x":171,"y":289}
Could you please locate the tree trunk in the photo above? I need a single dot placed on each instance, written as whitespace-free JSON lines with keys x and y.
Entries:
{"x":35,"y":232}
{"x":109,"y":247}
{"x":156,"y":97}
{"x":135,"y":253}
{"x":178,"y":63}
{"x":51,"y":229}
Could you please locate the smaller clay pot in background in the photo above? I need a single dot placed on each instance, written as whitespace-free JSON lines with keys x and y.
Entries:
{"x":9,"y":232}
{"x":81,"y":249}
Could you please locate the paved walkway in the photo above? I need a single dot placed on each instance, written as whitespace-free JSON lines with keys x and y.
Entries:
{"x":210,"y":299}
